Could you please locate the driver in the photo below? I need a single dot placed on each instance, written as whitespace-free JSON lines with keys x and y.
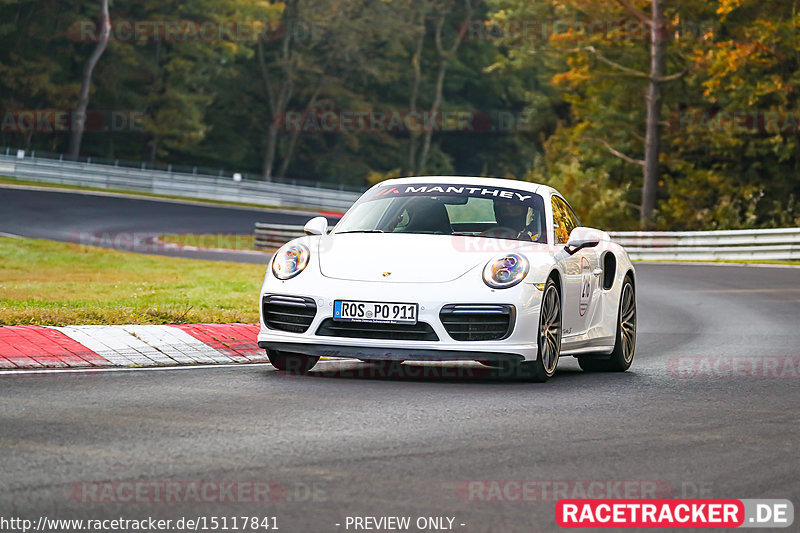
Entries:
{"x":513,"y":216}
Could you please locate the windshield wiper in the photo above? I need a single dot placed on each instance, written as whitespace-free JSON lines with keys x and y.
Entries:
{"x":359,"y":231}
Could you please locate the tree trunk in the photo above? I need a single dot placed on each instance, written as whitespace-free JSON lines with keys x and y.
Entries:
{"x":269,"y":154}
{"x":446,"y":57}
{"x":437,"y":101}
{"x":76,"y":134}
{"x":153,"y":150}
{"x":653,"y":137}
{"x":289,"y":155}
{"x":278,"y":98}
{"x":417,"y":68}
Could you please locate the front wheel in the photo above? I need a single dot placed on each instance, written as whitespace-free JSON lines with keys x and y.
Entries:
{"x":291,"y":362}
{"x":548,"y":338}
{"x":625,"y":345}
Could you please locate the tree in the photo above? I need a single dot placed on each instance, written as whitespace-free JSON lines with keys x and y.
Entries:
{"x":35,"y":69}
{"x":444,"y":57}
{"x":76,"y":135}
{"x":604,"y":45}
{"x":582,"y":87}
{"x":323,"y":58}
{"x":655,"y":80}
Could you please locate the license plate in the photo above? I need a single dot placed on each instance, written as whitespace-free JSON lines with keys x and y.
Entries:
{"x":382,"y":312}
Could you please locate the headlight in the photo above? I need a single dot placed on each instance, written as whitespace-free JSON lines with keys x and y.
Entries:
{"x":290,"y":260}
{"x":506,"y":271}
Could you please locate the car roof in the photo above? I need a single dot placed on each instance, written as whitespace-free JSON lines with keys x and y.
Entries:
{"x":538,"y":188}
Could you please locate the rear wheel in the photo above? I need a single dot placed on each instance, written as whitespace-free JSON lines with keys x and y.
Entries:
{"x":621,"y":358}
{"x":291,"y":362}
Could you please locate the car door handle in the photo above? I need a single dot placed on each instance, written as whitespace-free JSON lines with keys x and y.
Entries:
{"x":597,"y":272}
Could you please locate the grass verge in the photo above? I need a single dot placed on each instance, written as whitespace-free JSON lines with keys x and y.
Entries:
{"x":55,"y":284}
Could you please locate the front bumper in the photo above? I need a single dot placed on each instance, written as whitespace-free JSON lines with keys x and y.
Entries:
{"x":519,"y":345}
{"x":384,"y":353}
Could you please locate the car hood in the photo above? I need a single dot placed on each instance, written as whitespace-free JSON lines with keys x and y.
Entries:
{"x":407,"y":258}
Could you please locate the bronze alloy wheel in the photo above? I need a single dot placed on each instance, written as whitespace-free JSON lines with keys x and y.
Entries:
{"x":625,"y":345}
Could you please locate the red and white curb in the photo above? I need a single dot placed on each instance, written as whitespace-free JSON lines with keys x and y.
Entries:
{"x":32,"y":347}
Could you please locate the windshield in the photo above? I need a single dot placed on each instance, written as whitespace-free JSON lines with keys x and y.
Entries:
{"x":448,"y":209}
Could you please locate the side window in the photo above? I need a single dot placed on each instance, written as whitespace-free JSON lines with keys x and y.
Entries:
{"x":572,"y":216}
{"x":564,"y":220}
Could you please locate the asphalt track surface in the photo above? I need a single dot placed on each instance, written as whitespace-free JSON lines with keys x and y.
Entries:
{"x":352,"y":439}
{"x":128,"y":224}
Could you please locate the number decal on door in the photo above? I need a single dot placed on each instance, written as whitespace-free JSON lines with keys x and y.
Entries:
{"x":586,"y":285}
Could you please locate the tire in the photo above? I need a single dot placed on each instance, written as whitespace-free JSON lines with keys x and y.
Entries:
{"x":625,"y":345}
{"x":291,"y":362}
{"x":548,"y":339}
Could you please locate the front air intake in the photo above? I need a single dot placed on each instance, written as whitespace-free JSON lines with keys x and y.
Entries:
{"x":478,"y":322}
{"x":370,"y":330}
{"x":288,"y":313}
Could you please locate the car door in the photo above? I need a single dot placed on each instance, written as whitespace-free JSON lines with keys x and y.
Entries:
{"x":580,"y":279}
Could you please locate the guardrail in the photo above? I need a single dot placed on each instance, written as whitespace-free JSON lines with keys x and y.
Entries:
{"x":178,"y":184}
{"x":273,"y":236}
{"x":732,"y":245}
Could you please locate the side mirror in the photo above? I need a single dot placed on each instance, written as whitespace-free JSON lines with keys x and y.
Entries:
{"x":316,"y":226}
{"x":581,"y":238}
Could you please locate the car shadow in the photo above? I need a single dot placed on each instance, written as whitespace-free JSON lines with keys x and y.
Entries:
{"x":430,"y":372}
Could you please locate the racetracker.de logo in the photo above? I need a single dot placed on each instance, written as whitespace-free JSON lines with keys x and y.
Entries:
{"x":649,"y":513}
{"x":674,"y":513}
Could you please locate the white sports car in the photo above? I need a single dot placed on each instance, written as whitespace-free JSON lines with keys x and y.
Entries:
{"x":452,"y":268}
